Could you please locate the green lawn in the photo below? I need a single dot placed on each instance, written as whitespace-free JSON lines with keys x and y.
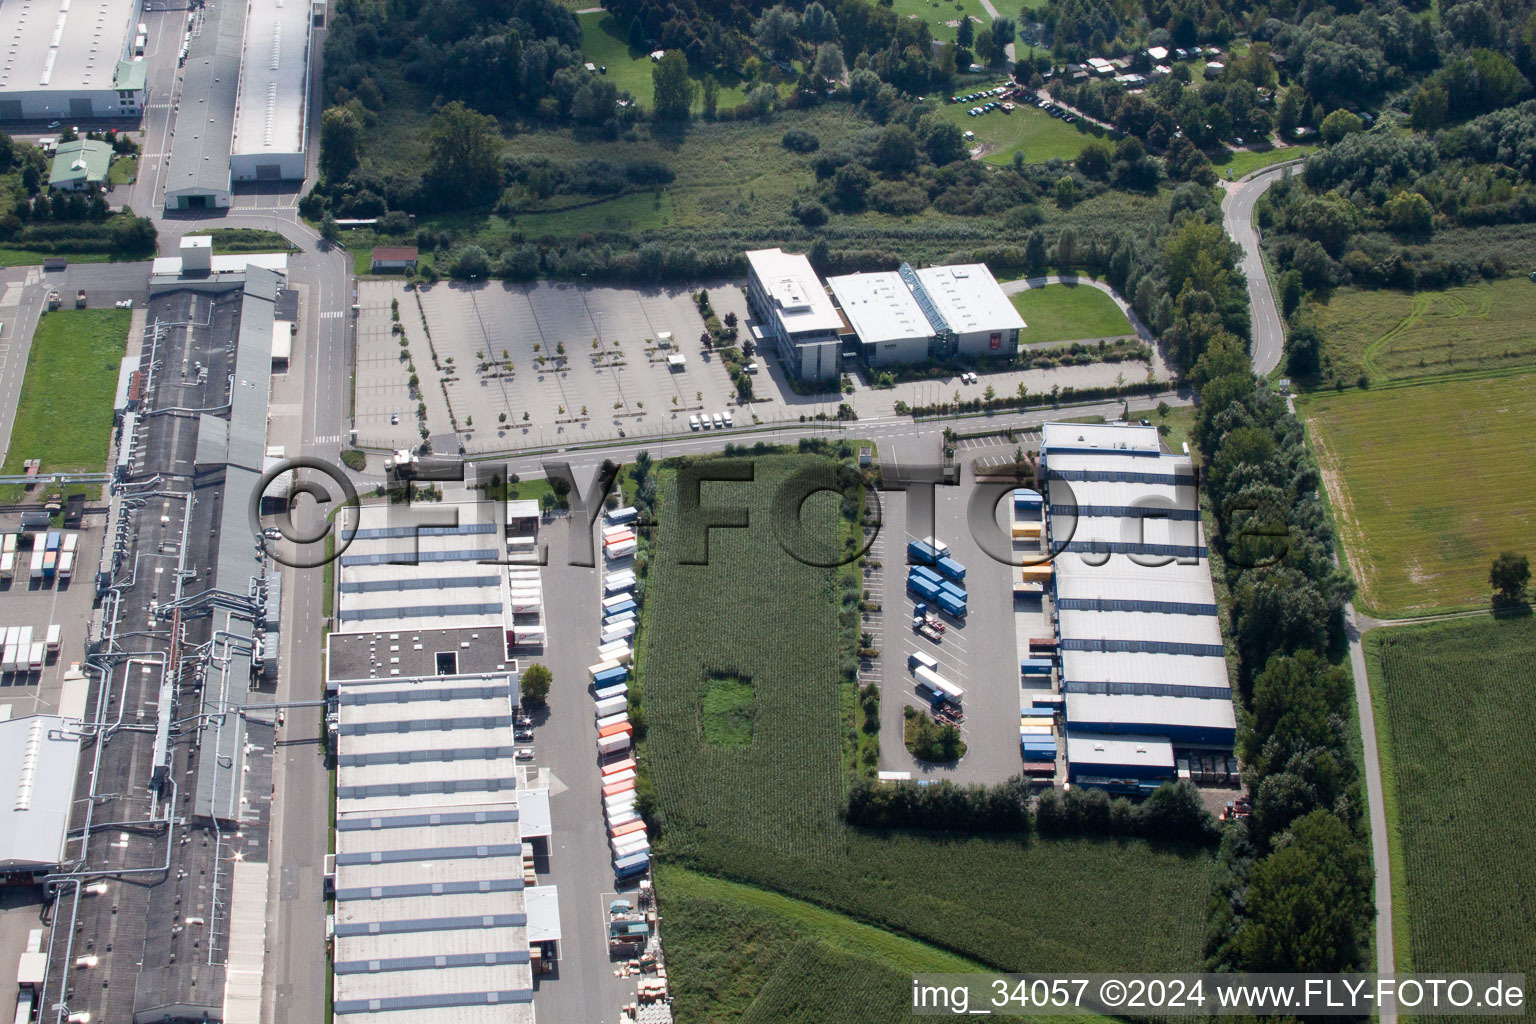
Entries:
{"x":605,"y":42}
{"x":1236,"y":163}
{"x":1037,"y":134}
{"x":235,"y":240}
{"x":64,"y":416}
{"x":1427,"y":484}
{"x":1015,"y":9}
{"x":1066,"y":312}
{"x":123,"y":170}
{"x":767,"y":813}
{"x":1395,"y":336}
{"x":34,"y":257}
{"x":1457,"y":723}
{"x":1174,"y":428}
{"x":943,"y":16}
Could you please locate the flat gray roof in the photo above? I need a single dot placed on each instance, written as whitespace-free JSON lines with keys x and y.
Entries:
{"x":362,"y":655}
{"x":199,"y":161}
{"x":274,"y":77}
{"x":63,"y":45}
{"x":880,"y":307}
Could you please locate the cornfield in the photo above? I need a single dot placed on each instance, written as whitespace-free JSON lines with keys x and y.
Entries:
{"x":767,"y":813}
{"x":1461,"y":718}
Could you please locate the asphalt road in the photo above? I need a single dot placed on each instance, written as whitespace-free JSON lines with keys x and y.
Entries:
{"x":1268,"y":340}
{"x":1237,"y":217}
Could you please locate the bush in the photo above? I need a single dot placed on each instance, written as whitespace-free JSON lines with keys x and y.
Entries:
{"x":798,"y":140}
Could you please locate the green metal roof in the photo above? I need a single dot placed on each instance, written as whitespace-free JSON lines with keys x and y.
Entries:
{"x":130,"y":75}
{"x":82,"y":160}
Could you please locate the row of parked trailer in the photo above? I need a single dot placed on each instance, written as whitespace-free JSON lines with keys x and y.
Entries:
{"x":628,"y":841}
{"x":936,"y":577}
{"x":53,"y":554}
{"x":22,"y":651}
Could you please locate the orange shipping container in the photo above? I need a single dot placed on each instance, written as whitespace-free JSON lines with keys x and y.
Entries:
{"x":620,"y":728}
{"x":615,"y":788}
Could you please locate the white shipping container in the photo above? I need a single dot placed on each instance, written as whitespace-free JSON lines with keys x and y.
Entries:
{"x":618,"y":718}
{"x":66,"y":565}
{"x":611,"y":706}
{"x":622,"y":631}
{"x":70,"y":541}
{"x":615,"y":600}
{"x":36,"y":656}
{"x":616,"y":690}
{"x":625,"y":818}
{"x":618,"y":620}
{"x":618,"y":766}
{"x":7,"y":565}
{"x":55,"y":633}
{"x":623,"y":776}
{"x":627,"y":845}
{"x":602,"y":666}
{"x":617,"y":651}
{"x":24,"y":641}
{"x":37,"y":563}
{"x":938,"y":683}
{"x":614,"y":552}
{"x":620,"y":803}
{"x":614,"y":586}
{"x":613,"y":744}
{"x":12,"y":635}
{"x":525,"y":575}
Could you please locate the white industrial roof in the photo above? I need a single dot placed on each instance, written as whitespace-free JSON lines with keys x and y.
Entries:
{"x":1150,"y":711}
{"x":800,"y":300}
{"x":534,"y":817}
{"x":969,"y":298}
{"x":880,"y":307}
{"x":543,"y":903}
{"x":1131,"y":667}
{"x":1141,"y":626}
{"x":61,"y":46}
{"x":235,"y":263}
{"x":454,"y":950}
{"x":38,"y":757}
{"x":269,"y":117}
{"x":1130,"y":437}
{"x":1093,"y":748}
{"x":1136,"y":584}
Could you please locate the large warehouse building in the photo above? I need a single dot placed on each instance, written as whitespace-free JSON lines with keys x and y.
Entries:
{"x":794,"y":313}
{"x":270,"y":112}
{"x":68,"y":60}
{"x":1143,"y":667}
{"x":906,"y":316}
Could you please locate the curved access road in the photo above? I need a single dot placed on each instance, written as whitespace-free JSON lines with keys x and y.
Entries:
{"x":1268,"y":342}
{"x":1237,"y":218}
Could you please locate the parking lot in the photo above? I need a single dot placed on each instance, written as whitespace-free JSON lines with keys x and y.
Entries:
{"x":39,"y":604}
{"x":976,"y":653}
{"x":530,"y":365}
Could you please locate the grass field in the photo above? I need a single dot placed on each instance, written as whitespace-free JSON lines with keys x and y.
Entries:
{"x":1037,"y":134}
{"x":1237,"y":163}
{"x":1427,"y":484}
{"x":943,"y":16}
{"x":767,"y":813}
{"x":1459,"y":721}
{"x":606,"y":42}
{"x":64,"y":416}
{"x":123,"y":170}
{"x":1174,"y":428}
{"x":1395,"y":336}
{"x":1066,"y":312}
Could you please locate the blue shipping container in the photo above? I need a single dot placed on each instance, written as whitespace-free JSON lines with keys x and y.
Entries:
{"x":1037,"y":712}
{"x":610,"y":677}
{"x":921,"y":553}
{"x":922,"y":587}
{"x":619,"y":609}
{"x":623,"y":515}
{"x":955,"y":591}
{"x":1026,"y":498}
{"x":951,"y":568}
{"x":924,"y":573}
{"x":1035,"y":666}
{"x":951,"y":604}
{"x":634,"y":864}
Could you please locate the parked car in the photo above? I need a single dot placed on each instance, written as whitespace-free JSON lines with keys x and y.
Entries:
{"x":693,"y":422}
{"x":525,"y":753}
{"x":728,"y":420}
{"x":719,"y":422}
{"x":523,"y":736}
{"x":704,"y":420}
{"x":394,"y":419}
